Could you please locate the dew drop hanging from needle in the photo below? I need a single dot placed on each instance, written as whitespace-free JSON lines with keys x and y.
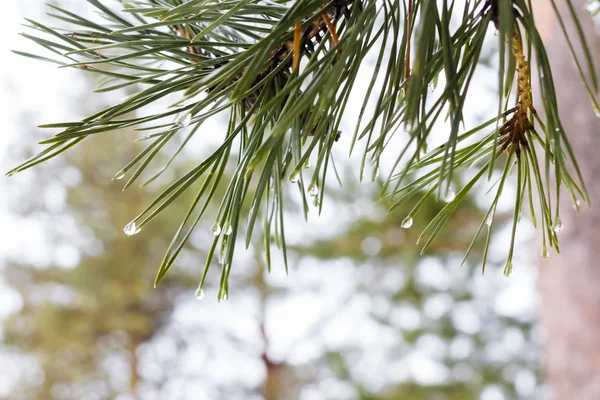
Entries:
{"x":558,"y":225}
{"x":545,"y":252}
{"x":216,"y":229}
{"x":131,"y":229}
{"x":119,"y":175}
{"x":450,"y":195}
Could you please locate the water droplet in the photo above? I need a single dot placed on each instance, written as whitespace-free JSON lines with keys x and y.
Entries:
{"x":131,"y":229}
{"x":200,"y":294}
{"x":424,"y":148}
{"x":307,"y":164}
{"x":558,"y":225}
{"x":215,"y":229}
{"x":597,"y":111}
{"x":576,"y":205}
{"x":313,"y":190}
{"x":489,"y":221}
{"x":185,"y":121}
{"x":294,"y":178}
{"x":224,"y":297}
{"x":545,"y":252}
{"x":400,"y":95}
{"x":119,"y":175}
{"x":407,"y":223}
{"x":450,"y":195}
{"x":508,"y":268}
{"x":227,"y":229}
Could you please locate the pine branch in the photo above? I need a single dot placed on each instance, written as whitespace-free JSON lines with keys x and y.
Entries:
{"x":243,"y":58}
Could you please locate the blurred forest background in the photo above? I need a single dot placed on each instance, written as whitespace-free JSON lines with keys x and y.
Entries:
{"x":360,"y":316}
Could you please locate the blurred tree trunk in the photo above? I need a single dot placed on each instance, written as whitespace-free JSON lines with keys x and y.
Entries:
{"x":570,"y":283}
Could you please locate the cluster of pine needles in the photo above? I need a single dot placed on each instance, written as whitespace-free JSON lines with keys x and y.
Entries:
{"x":283,"y":71}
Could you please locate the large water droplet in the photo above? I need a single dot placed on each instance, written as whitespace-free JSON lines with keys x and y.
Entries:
{"x":545,"y":252}
{"x":131,"y":229}
{"x":200,"y":294}
{"x":216,"y":229}
{"x":558,"y":225}
{"x":119,"y":175}
{"x":313,"y":190}
{"x":294,"y":178}
{"x":227,"y":229}
{"x":489,"y":221}
{"x":407,"y":223}
{"x":450,"y":195}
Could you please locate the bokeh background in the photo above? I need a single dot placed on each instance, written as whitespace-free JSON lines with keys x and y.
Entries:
{"x":359,"y":316}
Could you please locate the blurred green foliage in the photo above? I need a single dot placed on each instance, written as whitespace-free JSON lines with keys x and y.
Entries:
{"x":113,"y":309}
{"x":396,"y":249}
{"x":110,"y":306}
